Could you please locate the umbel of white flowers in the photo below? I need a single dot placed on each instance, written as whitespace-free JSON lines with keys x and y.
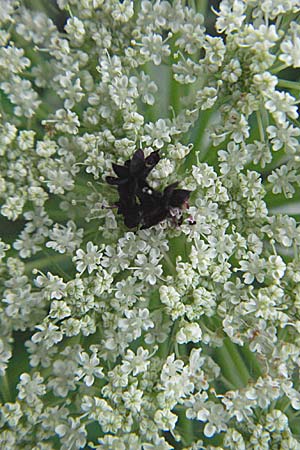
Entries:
{"x":185,"y":334}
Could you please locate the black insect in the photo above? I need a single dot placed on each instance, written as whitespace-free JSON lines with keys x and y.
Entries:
{"x":138,"y":202}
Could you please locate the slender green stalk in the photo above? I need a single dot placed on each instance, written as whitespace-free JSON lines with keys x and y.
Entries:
{"x":197,"y":153}
{"x":4,"y":389}
{"x":260,"y":126}
{"x":163,"y":348}
{"x":253,"y":364}
{"x":232,"y":364}
{"x":45,"y":262}
{"x":227,"y":383}
{"x":289,"y":84}
{"x":201,"y":6}
{"x":169,"y":263}
{"x":174,"y":95}
{"x":188,"y":432}
{"x":227,"y":366}
{"x":175,"y":91}
{"x":238,"y":361}
{"x":279,"y":68}
{"x":203,"y":120}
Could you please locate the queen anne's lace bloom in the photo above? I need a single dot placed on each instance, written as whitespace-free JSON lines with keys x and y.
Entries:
{"x":185,"y":334}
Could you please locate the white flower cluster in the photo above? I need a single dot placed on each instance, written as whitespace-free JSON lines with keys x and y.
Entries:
{"x":178,"y":336}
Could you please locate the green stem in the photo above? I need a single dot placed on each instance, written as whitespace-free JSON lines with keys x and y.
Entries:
{"x":169,"y":263}
{"x":253,"y":364}
{"x":232,"y":365}
{"x":227,"y":383}
{"x":4,"y":389}
{"x":201,"y":7}
{"x":227,"y":367}
{"x":279,"y":68}
{"x":260,"y":126}
{"x":289,"y":84}
{"x":174,"y":95}
{"x":202,"y":124}
{"x":188,"y":431}
{"x":163,"y":349}
{"x":198,"y":154}
{"x":151,"y":113}
{"x":175,"y":90}
{"x":238,"y":360}
{"x":69,"y":10}
{"x":285,"y":403}
{"x":45,"y":262}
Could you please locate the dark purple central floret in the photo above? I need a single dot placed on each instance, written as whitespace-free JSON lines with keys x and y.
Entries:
{"x":157,"y":206}
{"x":138,"y":202}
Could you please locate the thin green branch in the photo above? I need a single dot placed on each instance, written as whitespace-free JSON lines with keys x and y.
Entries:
{"x":289,"y":84}
{"x":4,"y":389}
{"x":232,"y":364}
{"x":46,"y":261}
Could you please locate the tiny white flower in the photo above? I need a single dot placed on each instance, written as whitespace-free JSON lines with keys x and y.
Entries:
{"x":189,"y":332}
{"x":148,"y":268}
{"x":90,"y":259}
